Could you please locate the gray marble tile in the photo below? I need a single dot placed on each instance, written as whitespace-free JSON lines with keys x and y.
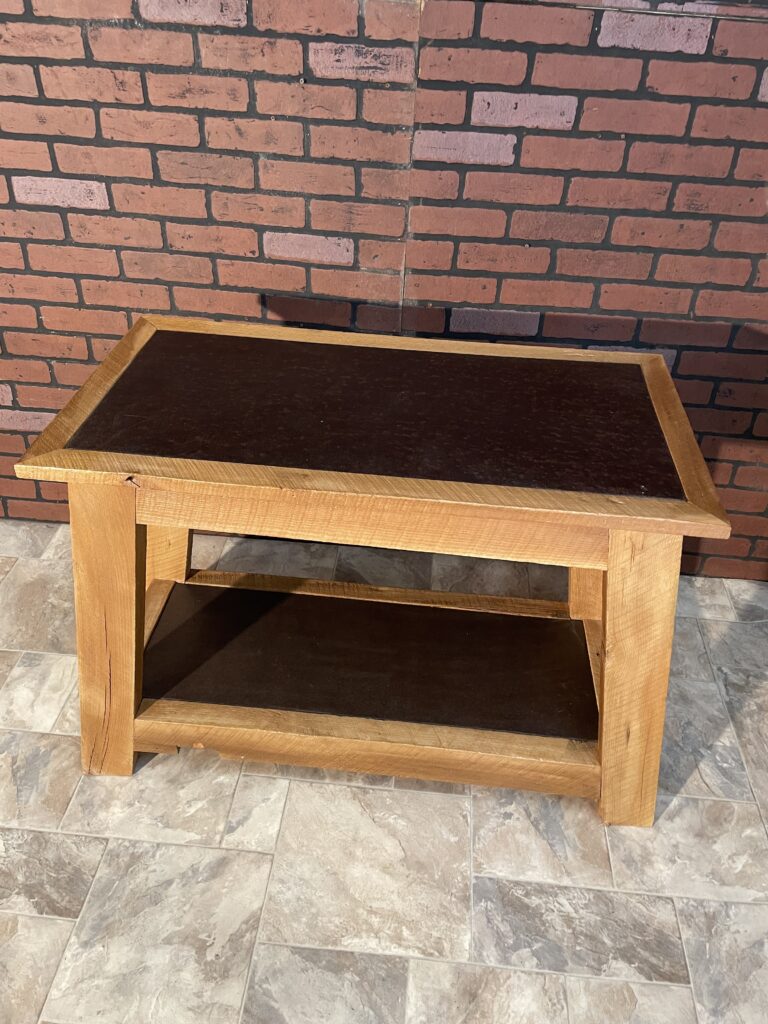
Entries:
{"x":383,"y":567}
{"x":622,"y":1002}
{"x":179,"y":798}
{"x":46,"y":872}
{"x":256,"y":813}
{"x":440,"y":993}
{"x":6,"y":564}
{"x":35,"y":691}
{"x":689,"y":656}
{"x":432,"y":786}
{"x":207,"y":549}
{"x":37,"y":607}
{"x":479,"y":576}
{"x":20,"y":539}
{"x":749,"y":599}
{"x":727,"y":947}
{"x":68,"y":721}
{"x":577,"y":931}
{"x":739,"y":653}
{"x":315,"y":986}
{"x":548,"y":582}
{"x":541,"y":838}
{"x":701,"y":754}
{"x":305,"y":559}
{"x":749,"y":714}
{"x":8,"y":660}
{"x":38,"y":775}
{"x":703,"y":597}
{"x":60,"y":548}
{"x":165,"y":936}
{"x":307,"y":774}
{"x":30,"y":949}
{"x":386,"y":871}
{"x":709,"y":849}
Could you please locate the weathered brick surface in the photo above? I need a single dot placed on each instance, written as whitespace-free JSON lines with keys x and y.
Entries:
{"x":536,"y":170}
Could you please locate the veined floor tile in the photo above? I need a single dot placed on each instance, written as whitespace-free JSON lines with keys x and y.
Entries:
{"x":738,"y":653}
{"x":256,"y":813}
{"x":207,"y":549}
{"x":8,"y":660}
{"x":30,"y":949}
{"x":165,"y":936}
{"x":710,"y":849}
{"x":703,"y":598}
{"x":727,"y":947}
{"x":461,"y":575}
{"x":431,"y":786}
{"x":38,"y":775}
{"x":68,"y":721}
{"x":315,"y":986}
{"x":541,"y":838}
{"x":689,"y":656}
{"x":60,"y":548}
{"x":6,"y":564}
{"x":383,"y":567}
{"x":37,"y":607}
{"x":440,"y":993}
{"x":308,"y":774}
{"x":179,"y":798}
{"x":21,"y":539}
{"x":577,"y":931}
{"x":35,"y":691}
{"x":749,"y":599}
{"x":748,"y":709}
{"x":623,"y":1002}
{"x":278,"y":557}
{"x":701,"y":754}
{"x":383,"y":871}
{"x":46,"y":872}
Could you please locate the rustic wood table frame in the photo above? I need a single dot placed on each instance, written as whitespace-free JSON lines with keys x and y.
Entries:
{"x":132,"y":518}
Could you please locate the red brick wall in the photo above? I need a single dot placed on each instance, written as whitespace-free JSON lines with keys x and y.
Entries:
{"x":539,"y":171}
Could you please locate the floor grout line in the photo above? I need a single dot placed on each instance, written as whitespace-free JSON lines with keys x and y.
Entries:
{"x":687,"y":962}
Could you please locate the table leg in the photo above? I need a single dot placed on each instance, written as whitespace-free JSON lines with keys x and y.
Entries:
{"x":585,"y":593}
{"x":108,"y":552}
{"x":168,"y":551}
{"x":639,"y":621}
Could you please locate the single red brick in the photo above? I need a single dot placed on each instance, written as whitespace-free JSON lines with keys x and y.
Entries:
{"x":149,"y":126}
{"x":356,"y":284}
{"x":4,"y":194}
{"x":703,"y":270}
{"x":122,"y":294}
{"x":423,"y":320}
{"x":73,"y":374}
{"x":563,"y":227}
{"x":453,"y":64}
{"x":24,"y":369}
{"x":43,"y":510}
{"x":694,"y":392}
{"x":440,"y":106}
{"x":357,"y":218}
{"x":134,"y":231}
{"x":751,"y":165}
{"x":28,"y":422}
{"x":362,"y":63}
{"x":257,"y":208}
{"x":89,"y":321}
{"x":423,"y":255}
{"x":518,"y":189}
{"x":462,"y":147}
{"x":304,"y":177}
{"x":375,"y":254}
{"x":141,"y":46}
{"x":29,"y":224}
{"x":17,"y":80}
{"x":32,"y":397}
{"x":160,"y":266}
{"x":641,"y":117}
{"x":503,"y":259}
{"x":684,"y":332}
{"x":761,"y":425}
{"x":729,"y":567}
{"x":754,"y":336}
{"x":382,"y":319}
{"x":35,"y":286}
{"x":11,"y":256}
{"x":726,"y":122}
{"x":254,"y":136}
{"x":248,"y":53}
{"x":572,"y":154}
{"x":391,"y":19}
{"x":31,"y":39}
{"x":307,"y":17}
{"x":306,"y":248}
{"x":90,"y":10}
{"x":733,"y":546}
{"x":13,"y":315}
{"x":72,"y":259}
{"x":457,"y":221}
{"x":578,"y":71}
{"x":105,"y":161}
{"x":206,"y":169}
{"x":215,"y":238}
{"x":740,"y":450}
{"x":56,"y":346}
{"x":524,"y":110}
{"x":230,"y":13}
{"x":101,"y":347}
{"x":293,"y":309}
{"x":446,"y":288}
{"x":24,"y":154}
{"x":11,"y":488}
{"x":76,"y":193}
{"x":741,"y":39}
{"x":269,"y":276}
{"x":297,"y":99}
{"x":700,"y":78}
{"x":661,"y":232}
{"x":662,"y":32}
{"x":738,"y":305}
{"x":624,"y":193}
{"x":368,"y":144}
{"x":743,"y":396}
{"x":447,"y":19}
{"x":723,"y":364}
{"x":733,"y":200}
{"x":379,"y":183}
{"x":36,"y":119}
{"x":387,"y":106}
{"x":532,"y":292}
{"x":761,"y":281}
{"x":494,"y":321}
{"x":752,"y":526}
{"x":204,"y":91}
{"x":550,"y":26}
{"x":627,"y":266}
{"x":736,"y":236}
{"x":645,"y":298}
{"x":753,"y":476}
{"x":103,"y":85}
{"x":744,"y":501}
{"x":163,"y":200}
{"x":700,"y":161}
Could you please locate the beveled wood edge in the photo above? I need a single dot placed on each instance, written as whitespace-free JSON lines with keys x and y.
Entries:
{"x":523,"y":606}
{"x":155,"y":599}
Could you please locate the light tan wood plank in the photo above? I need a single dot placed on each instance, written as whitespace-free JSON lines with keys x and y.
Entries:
{"x":157,"y":595}
{"x":593,"y":633}
{"x":168,"y":553}
{"x":585,"y":593}
{"x":108,"y":555}
{"x":640,"y":598}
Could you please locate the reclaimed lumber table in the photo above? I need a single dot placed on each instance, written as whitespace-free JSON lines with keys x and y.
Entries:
{"x":557,"y":456}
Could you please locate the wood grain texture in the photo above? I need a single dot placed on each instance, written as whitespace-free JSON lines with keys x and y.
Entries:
{"x":168,"y":553}
{"x":585,"y":593}
{"x":639,"y":625}
{"x":108,"y":555}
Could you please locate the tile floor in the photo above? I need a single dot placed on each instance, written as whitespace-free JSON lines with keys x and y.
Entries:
{"x":203,"y":890}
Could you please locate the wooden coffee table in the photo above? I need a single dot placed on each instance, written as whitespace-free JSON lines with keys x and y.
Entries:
{"x":548,"y":455}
